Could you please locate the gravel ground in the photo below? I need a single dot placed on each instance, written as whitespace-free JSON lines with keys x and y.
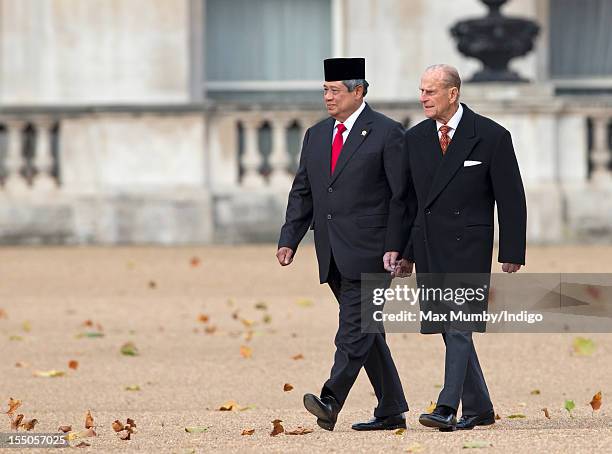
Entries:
{"x":163,"y":302}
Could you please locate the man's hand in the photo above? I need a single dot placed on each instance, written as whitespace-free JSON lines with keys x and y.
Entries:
{"x":403,"y":268}
{"x":510,"y":267}
{"x":284,"y":256}
{"x":390,"y":260}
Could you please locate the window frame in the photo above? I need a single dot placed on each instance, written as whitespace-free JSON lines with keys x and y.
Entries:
{"x":199,"y":86}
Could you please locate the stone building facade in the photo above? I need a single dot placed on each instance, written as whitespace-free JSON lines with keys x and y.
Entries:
{"x":180,"y":121}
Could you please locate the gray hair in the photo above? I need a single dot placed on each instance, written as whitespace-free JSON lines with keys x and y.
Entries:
{"x":354,"y":83}
{"x":450,"y":75}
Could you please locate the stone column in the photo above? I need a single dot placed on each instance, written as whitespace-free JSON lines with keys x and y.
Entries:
{"x":279,"y":158}
{"x":252,"y":158}
{"x":15,"y":184}
{"x":43,"y":159}
{"x":600,"y":155}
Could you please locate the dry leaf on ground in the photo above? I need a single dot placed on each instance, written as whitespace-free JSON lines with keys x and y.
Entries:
{"x":278,"y":428}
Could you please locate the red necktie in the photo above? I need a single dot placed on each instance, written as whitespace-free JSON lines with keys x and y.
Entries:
{"x":444,"y":138}
{"x":337,"y":145}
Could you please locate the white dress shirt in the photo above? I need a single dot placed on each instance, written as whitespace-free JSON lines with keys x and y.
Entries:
{"x":348,"y":123}
{"x":452,"y":123}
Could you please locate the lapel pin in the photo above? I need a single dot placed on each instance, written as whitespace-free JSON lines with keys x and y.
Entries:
{"x":364,"y":132}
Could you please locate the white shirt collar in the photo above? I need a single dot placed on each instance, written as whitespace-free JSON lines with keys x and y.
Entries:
{"x":350,"y":121}
{"x":453,"y":122}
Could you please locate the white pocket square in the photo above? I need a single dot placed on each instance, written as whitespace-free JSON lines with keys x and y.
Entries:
{"x":471,"y":163}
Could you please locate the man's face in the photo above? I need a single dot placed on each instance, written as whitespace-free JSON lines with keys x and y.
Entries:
{"x":339,"y":101}
{"x":437,"y":99}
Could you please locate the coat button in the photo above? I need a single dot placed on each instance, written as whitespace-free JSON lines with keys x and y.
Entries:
{"x":330,"y":190}
{"x":457,"y":212}
{"x":427,"y":211}
{"x":329,"y":216}
{"x":458,"y":238}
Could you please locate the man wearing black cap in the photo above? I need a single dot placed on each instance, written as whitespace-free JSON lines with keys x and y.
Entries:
{"x":351,"y":189}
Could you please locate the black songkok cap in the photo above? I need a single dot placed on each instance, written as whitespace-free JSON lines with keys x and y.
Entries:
{"x":344,"y":69}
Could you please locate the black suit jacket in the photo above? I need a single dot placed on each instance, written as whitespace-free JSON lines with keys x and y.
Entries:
{"x":361,"y":211}
{"x":453,"y":230}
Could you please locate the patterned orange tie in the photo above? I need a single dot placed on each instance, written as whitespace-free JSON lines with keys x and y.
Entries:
{"x":444,"y":138}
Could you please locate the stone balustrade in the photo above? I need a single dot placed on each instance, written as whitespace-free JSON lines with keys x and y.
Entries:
{"x":30,"y":155}
{"x":234,"y":164}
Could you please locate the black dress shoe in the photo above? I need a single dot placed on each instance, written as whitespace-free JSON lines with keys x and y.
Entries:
{"x":469,"y":422}
{"x":386,"y":423}
{"x":442,"y":417}
{"x":325,"y":408}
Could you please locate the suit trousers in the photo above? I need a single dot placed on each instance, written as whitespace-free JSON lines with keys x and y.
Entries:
{"x":463,"y":378}
{"x":356,"y":349}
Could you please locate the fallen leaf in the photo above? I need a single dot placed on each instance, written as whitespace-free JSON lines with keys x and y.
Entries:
{"x":129,"y":349}
{"x":535,"y":392}
{"x":88,"y":322}
{"x":545,"y":410}
{"x":49,"y":373}
{"x":230,"y":405}
{"x":497,"y":417}
{"x":304,"y":303}
{"x":26,"y":326}
{"x":261,"y":306}
{"x":246,"y":322}
{"x":415,"y":448}
{"x":152,"y":284}
{"x":132,"y":388}
{"x":195,"y":261}
{"x":516,"y":416}
{"x":21,"y":364}
{"x":89,"y":421}
{"x":248,"y":432}
{"x":298,"y":356}
{"x":211,"y":329}
{"x":299,"y":431}
{"x":569,"y":406}
{"x":400,"y":431}
{"x":596,"y":401}
{"x":196,"y":429}
{"x":15,"y":337}
{"x":81,"y":434}
{"x":126,"y":435}
{"x":432,"y":406}
{"x":248,"y":335}
{"x":29,"y":425}
{"x":278,"y":428}
{"x":64,"y":429}
{"x":266,"y":318}
{"x":82,"y":444}
{"x":477,"y":444}
{"x":117,"y":425}
{"x":287,"y":387}
{"x":13,"y":404}
{"x":203,"y":318}
{"x":3,"y":314}
{"x":16,"y":422}
{"x":583,"y":346}
{"x":72,"y":364}
{"x":246,"y":352}
{"x":91,"y":334}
